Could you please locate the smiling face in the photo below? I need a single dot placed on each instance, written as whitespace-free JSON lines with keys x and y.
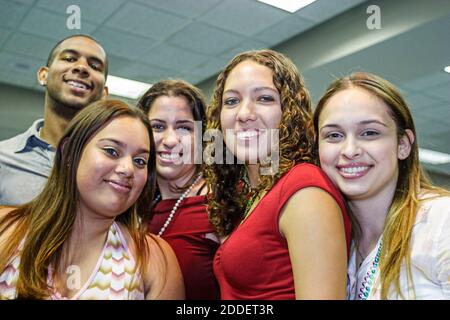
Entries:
{"x":358,"y":144}
{"x":76,"y":75}
{"x":113,"y":167}
{"x":251,"y":107}
{"x":173,"y":131}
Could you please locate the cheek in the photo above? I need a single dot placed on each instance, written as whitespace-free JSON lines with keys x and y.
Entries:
{"x":227,"y":119}
{"x":327,"y":154}
{"x":141,"y":180}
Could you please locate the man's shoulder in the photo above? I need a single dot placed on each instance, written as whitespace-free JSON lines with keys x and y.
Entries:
{"x":19,"y":140}
{"x":11,"y":144}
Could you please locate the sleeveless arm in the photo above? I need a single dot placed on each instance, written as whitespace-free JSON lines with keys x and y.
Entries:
{"x":312,"y":223}
{"x":164,"y":280}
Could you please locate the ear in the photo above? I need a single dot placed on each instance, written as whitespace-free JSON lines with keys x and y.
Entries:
{"x":42,"y":76}
{"x":105,"y":92}
{"x":405,"y":144}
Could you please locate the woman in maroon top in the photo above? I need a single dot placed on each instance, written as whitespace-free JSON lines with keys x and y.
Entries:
{"x":176,"y":112}
{"x":284,"y":224}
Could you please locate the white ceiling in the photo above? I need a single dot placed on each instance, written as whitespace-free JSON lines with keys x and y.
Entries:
{"x":150,"y":40}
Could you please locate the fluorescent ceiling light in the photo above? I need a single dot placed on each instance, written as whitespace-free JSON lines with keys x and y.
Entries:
{"x":126,"y":88}
{"x":447,"y":69}
{"x":433,"y":157}
{"x":288,"y":5}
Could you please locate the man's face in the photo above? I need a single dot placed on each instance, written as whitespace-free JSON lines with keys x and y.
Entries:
{"x":76,"y":75}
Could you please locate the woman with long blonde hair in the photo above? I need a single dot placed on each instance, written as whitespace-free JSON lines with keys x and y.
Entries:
{"x":368,"y":146}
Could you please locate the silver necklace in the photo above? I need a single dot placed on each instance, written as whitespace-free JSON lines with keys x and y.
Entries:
{"x":177,"y":204}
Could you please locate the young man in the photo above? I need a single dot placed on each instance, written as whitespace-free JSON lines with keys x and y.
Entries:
{"x":74,"y":76}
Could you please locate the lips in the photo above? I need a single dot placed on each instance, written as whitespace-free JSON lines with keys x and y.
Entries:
{"x":120,"y":186}
{"x":170,"y":157}
{"x":354,"y":170}
{"x":79,"y":85}
{"x":247,"y":134}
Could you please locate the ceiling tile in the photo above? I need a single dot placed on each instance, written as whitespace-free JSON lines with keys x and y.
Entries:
{"x":4,"y":35}
{"x":189,"y":9}
{"x":29,"y":45}
{"x":248,"y":44}
{"x":145,"y":21}
{"x":284,"y":29}
{"x":322,"y":10}
{"x":94,"y":11}
{"x":29,"y":3}
{"x":172,"y":58}
{"x":122,"y":44}
{"x":209,"y":68}
{"x":204,"y":39}
{"x":147,"y":73}
{"x":246,"y":17}
{"x":11,"y":13}
{"x":41,"y":22}
{"x":19,"y":63}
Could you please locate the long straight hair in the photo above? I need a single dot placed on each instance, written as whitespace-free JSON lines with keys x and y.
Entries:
{"x":411,"y":178}
{"x":45,"y":223}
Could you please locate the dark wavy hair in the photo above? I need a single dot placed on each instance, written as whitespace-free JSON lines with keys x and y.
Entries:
{"x":296,"y":137}
{"x":177,"y":88}
{"x":47,"y":221}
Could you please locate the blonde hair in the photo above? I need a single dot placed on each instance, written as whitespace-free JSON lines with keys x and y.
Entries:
{"x":411,"y":179}
{"x":296,"y":137}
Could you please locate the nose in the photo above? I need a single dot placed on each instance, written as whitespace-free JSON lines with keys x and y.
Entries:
{"x":125,"y":167}
{"x":246,"y":111}
{"x":170,"y":138}
{"x":81,"y":67}
{"x":351,"y":148}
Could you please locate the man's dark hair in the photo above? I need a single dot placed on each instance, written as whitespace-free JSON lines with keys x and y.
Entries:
{"x":51,"y":56}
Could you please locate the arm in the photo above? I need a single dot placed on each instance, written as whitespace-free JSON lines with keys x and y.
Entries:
{"x":164,"y":280}
{"x":312,"y":224}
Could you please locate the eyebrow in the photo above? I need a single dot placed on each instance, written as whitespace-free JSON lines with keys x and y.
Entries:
{"x":179,"y":121}
{"x":364,"y":122}
{"x":123,"y":145}
{"x":74,"y":52}
{"x":255,"y":89}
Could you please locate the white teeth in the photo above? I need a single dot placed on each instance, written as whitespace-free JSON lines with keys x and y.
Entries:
{"x":354,"y":169}
{"x":170,"y":156}
{"x":246,"y":134}
{"x":77,"y":84}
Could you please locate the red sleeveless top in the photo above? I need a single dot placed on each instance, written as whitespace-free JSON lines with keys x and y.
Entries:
{"x":253,"y":263}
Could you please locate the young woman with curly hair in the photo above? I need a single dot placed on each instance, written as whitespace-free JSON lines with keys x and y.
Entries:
{"x":283,"y":223}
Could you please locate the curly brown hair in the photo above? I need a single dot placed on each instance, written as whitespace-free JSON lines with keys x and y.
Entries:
{"x":296,"y":138}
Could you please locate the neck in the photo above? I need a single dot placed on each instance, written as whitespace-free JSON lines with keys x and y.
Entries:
{"x":55,"y":122}
{"x":371,"y":214}
{"x":167,"y":188}
{"x":253,"y":174}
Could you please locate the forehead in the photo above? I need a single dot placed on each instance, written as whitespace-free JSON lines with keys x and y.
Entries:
{"x":171,"y":106}
{"x":250,"y":71}
{"x":84,"y":46}
{"x":355,"y":105}
{"x":124,"y":128}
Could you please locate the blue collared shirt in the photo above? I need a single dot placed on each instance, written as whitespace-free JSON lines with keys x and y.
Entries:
{"x":25,"y":164}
